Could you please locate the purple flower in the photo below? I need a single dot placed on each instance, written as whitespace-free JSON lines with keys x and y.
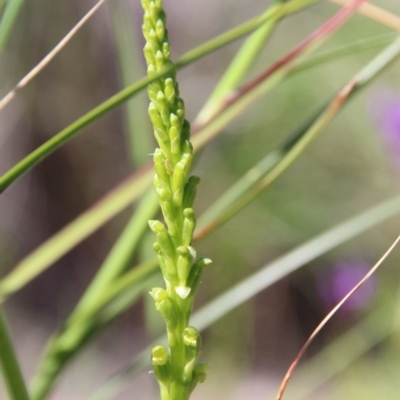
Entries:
{"x":335,"y":283}
{"x":385,"y":111}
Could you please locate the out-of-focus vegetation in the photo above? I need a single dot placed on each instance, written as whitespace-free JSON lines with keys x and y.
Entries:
{"x":352,"y":166}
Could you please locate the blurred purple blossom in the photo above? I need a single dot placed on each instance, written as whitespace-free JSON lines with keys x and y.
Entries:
{"x":384,"y":109}
{"x":335,"y":283}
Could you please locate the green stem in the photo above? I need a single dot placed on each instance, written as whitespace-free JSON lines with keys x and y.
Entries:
{"x":8,"y":19}
{"x":10,"y":368}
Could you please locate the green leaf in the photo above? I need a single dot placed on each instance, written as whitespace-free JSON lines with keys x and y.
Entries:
{"x":240,"y":66}
{"x":140,"y":143}
{"x":9,"y":366}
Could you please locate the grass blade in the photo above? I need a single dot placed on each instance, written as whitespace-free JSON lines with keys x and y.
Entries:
{"x":10,"y":15}
{"x":140,"y":144}
{"x":351,"y":48}
{"x":121,"y":256}
{"x":9,"y":366}
{"x":238,"y":68}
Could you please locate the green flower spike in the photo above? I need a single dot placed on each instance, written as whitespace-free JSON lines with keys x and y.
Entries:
{"x":175,"y":367}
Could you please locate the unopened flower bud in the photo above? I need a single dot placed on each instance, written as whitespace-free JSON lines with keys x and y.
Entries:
{"x":190,"y":191}
{"x":160,"y":30}
{"x":199,"y":374}
{"x":160,"y":165}
{"x":162,"y":188}
{"x":170,"y":91}
{"x":196,"y":272}
{"x":156,"y":226}
{"x":189,"y":225}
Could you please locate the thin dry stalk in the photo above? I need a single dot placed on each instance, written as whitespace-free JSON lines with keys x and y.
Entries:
{"x":35,"y":71}
{"x":328,"y":317}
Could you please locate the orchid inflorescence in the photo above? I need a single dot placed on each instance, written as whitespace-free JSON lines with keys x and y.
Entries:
{"x":176,"y":368}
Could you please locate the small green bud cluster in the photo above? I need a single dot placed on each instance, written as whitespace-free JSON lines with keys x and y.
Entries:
{"x":176,"y":369}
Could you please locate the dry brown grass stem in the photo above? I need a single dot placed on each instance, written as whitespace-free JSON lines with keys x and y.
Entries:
{"x":290,"y":371}
{"x":35,"y":71}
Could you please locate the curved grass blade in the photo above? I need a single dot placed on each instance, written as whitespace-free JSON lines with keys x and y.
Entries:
{"x":139,"y":144}
{"x":267,"y":276}
{"x":121,"y":256}
{"x":8,"y":19}
{"x":214,"y":44}
{"x":349,"y":49}
{"x":314,"y":334}
{"x":275,"y":163}
{"x":9,"y":366}
{"x":2,"y":4}
{"x":238,"y":68}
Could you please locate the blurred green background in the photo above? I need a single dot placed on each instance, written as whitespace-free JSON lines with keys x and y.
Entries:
{"x":352,"y":166}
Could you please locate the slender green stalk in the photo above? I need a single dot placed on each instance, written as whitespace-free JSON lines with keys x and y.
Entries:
{"x":121,"y":256}
{"x":9,"y":366}
{"x":348,"y":49}
{"x":11,"y":12}
{"x":240,"y":65}
{"x":175,"y":367}
{"x":214,"y":44}
{"x":2,"y":4}
{"x":128,"y":51}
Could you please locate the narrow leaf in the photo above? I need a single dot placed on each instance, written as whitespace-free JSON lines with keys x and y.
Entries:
{"x":8,"y":19}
